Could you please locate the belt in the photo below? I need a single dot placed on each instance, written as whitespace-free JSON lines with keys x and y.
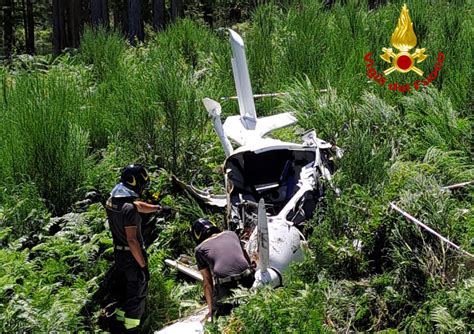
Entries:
{"x":125,"y":248}
{"x":245,"y":273}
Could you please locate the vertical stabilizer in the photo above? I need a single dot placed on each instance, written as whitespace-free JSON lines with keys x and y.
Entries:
{"x":242,"y":82}
{"x":263,"y":240}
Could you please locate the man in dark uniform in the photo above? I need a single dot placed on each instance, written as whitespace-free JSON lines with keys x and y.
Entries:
{"x":220,"y":257}
{"x":132,"y":275}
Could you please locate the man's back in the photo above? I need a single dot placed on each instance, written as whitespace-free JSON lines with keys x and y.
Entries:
{"x":223,"y":254}
{"x":122,"y":213}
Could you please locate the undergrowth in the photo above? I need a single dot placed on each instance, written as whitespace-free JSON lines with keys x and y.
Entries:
{"x":69,"y":124}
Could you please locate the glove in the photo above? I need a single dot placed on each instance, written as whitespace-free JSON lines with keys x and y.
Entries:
{"x":146,"y":272}
{"x":166,"y":210}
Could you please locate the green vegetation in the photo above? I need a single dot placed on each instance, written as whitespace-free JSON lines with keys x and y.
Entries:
{"x":70,"y":123}
{"x":49,"y":277}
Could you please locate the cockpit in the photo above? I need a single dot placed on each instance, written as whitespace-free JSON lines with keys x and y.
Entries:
{"x":272,"y":175}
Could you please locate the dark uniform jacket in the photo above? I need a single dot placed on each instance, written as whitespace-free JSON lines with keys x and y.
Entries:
{"x":122,"y":213}
{"x":130,"y":283}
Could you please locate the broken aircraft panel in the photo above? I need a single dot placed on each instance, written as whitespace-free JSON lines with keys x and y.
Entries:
{"x":272,"y":187}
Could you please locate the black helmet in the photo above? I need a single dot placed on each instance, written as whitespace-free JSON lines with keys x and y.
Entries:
{"x":135,"y":177}
{"x":202,"y":229}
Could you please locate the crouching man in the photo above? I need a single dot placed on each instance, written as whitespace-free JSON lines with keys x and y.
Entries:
{"x":223,"y":263}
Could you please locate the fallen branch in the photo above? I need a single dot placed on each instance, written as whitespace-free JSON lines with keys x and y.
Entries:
{"x":260,"y":96}
{"x":255,"y":96}
{"x":234,"y":98}
{"x":458,"y":185}
{"x":417,"y":222}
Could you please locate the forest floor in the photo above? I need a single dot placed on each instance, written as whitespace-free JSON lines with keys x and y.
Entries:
{"x":70,"y":123}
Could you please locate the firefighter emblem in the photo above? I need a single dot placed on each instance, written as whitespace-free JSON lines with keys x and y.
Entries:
{"x":403,"y":39}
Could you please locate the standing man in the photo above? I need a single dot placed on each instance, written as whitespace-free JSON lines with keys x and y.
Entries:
{"x":220,"y":257}
{"x":132,"y":275}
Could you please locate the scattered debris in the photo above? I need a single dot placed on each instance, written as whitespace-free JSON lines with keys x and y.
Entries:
{"x":427,"y":228}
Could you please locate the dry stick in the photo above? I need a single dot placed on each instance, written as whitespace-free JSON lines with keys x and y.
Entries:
{"x":231,"y":98}
{"x":259,"y":96}
{"x":458,"y":185}
{"x":416,"y":221}
{"x":255,"y":96}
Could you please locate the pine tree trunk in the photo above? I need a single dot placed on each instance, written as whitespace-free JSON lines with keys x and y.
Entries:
{"x":85,"y":6}
{"x":58,"y":26}
{"x":158,"y":15}
{"x":95,"y":12}
{"x":176,"y":9}
{"x":99,"y":13}
{"x":135,"y":22}
{"x":68,"y":21}
{"x":105,"y":13}
{"x":146,"y":11}
{"x":30,"y":28}
{"x":208,"y":12}
{"x":8,"y":27}
{"x":73,"y":23}
{"x":25,"y":25}
{"x":119,"y":13}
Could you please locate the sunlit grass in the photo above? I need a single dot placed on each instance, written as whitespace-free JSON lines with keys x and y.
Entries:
{"x":70,"y":124}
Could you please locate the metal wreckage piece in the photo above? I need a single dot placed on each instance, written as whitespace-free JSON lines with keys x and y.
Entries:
{"x":272,"y":187}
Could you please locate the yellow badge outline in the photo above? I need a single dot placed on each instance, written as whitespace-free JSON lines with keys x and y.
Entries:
{"x":134,"y":182}
{"x":403,"y":39}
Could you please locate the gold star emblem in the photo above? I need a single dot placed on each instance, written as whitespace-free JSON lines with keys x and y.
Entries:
{"x":403,"y":39}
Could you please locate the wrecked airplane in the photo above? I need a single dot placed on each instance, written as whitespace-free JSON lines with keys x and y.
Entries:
{"x":272,"y":187}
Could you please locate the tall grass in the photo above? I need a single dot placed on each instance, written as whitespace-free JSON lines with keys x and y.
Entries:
{"x":22,"y":210}
{"x":328,"y":46}
{"x":149,"y":95}
{"x":152,"y":96}
{"x":104,"y":50}
{"x":402,"y":152}
{"x":112,"y":104}
{"x":435,"y":122}
{"x":41,"y":141}
{"x":271,"y":311}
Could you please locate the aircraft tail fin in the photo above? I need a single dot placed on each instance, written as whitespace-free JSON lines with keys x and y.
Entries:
{"x":248,"y":115}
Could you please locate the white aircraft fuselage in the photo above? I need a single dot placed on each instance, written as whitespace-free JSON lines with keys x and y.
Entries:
{"x":270,"y":183}
{"x":272,"y":186}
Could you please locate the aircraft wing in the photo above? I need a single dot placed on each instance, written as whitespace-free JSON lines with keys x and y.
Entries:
{"x":268,"y":124}
{"x":188,"y":325}
{"x":203,"y":195}
{"x":234,"y":129}
{"x":185,"y":269}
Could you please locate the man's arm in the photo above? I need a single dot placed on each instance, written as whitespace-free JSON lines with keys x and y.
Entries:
{"x":207,"y":286}
{"x":144,"y":207}
{"x":134,"y":245}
